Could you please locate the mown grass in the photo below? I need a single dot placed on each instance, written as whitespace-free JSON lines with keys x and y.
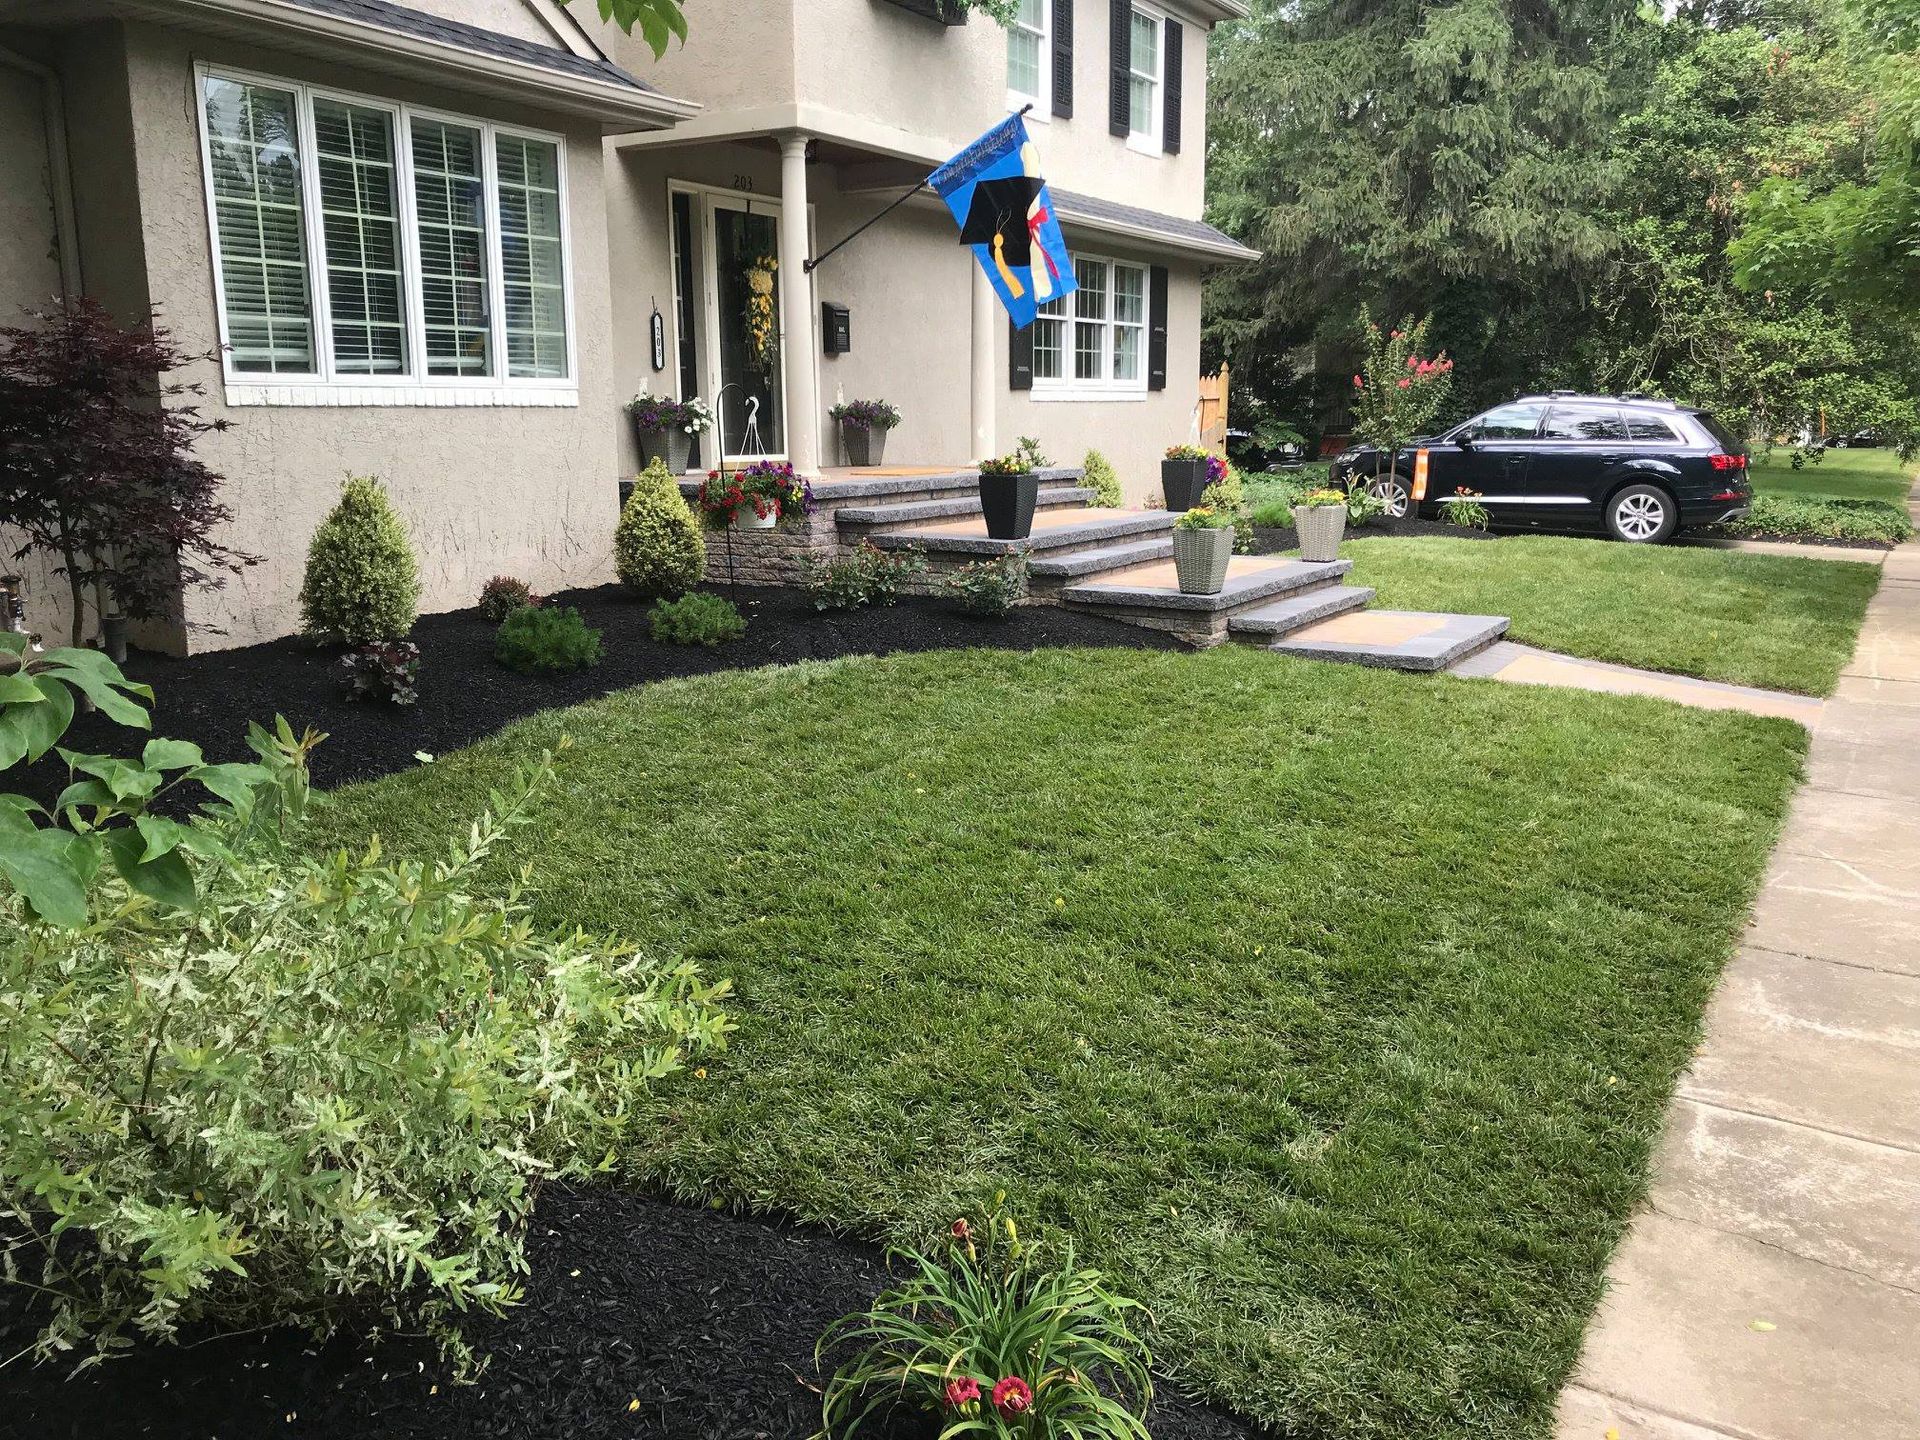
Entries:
{"x":1839,"y":474}
{"x":1779,"y":622}
{"x":1858,"y":495}
{"x":1333,"y":1011}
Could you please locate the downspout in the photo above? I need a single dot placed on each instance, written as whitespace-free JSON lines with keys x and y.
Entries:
{"x":59,"y":170}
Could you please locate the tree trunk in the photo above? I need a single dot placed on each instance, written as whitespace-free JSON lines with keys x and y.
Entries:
{"x":78,"y":585}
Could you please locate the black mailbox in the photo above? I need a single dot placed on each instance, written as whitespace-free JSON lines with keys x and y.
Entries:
{"x":836,"y":328}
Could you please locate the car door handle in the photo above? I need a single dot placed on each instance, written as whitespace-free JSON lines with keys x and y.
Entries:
{"x":1612,"y":458}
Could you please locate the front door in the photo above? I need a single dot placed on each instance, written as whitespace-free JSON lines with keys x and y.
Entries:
{"x":743,"y":325}
{"x":1494,"y":461}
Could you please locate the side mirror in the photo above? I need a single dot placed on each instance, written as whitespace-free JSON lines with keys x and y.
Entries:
{"x":1464,"y":440}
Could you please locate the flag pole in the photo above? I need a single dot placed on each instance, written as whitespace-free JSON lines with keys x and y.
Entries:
{"x":810,"y":265}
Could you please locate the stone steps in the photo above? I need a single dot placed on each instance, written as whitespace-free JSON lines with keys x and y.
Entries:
{"x":1081,"y":563}
{"x":1150,"y":594}
{"x":873,"y":517}
{"x":1297,"y":611}
{"x":1417,"y":640}
{"x":1061,"y":530}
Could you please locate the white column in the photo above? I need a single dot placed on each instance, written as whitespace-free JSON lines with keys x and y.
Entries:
{"x":796,"y":310}
{"x":984,"y":369}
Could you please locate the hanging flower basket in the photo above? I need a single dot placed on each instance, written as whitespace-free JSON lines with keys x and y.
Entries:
{"x":756,"y":497}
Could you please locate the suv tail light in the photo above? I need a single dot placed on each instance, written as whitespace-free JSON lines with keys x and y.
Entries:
{"x":1727,"y":462}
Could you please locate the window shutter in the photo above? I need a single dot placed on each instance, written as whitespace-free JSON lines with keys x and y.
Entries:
{"x":1157,"y":328}
{"x":1170,"y":70}
{"x":1063,"y":58}
{"x":1120,"y":64}
{"x":1019,"y":357}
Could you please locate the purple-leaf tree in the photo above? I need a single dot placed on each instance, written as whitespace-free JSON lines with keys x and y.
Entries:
{"x":96,"y":464}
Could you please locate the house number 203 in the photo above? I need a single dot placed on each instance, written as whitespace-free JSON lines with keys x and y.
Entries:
{"x":743,"y":182}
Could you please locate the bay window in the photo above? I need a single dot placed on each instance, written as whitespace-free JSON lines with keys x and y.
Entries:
{"x":1094,"y":341}
{"x":415,"y":257}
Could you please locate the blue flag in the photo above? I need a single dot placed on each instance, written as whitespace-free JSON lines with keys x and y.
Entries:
{"x":1006,"y":214}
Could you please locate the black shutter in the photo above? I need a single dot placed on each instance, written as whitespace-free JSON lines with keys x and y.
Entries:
{"x":1063,"y":58}
{"x":1120,"y":63}
{"x":1019,"y":357}
{"x":1172,"y":46}
{"x":1157,"y":328}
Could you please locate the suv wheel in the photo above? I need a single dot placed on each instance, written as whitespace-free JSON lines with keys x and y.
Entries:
{"x":1642,"y":515}
{"x":1393,"y":490}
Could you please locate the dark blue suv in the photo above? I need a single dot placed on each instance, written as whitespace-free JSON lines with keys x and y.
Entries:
{"x":1640,"y":469}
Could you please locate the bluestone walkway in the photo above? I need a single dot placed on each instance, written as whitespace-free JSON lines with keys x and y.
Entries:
{"x":1770,"y":1288}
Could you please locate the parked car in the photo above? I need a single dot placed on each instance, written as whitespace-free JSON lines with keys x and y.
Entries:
{"x":1857,"y":440}
{"x":1640,"y":469}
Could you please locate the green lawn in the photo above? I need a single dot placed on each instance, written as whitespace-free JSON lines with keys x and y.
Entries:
{"x":1774,"y":621}
{"x":1334,"y":1011}
{"x":1841,"y":475}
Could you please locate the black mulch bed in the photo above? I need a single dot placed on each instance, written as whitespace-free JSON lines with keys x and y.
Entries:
{"x":1272,"y":539}
{"x":707,"y":1320}
{"x":466,"y":695}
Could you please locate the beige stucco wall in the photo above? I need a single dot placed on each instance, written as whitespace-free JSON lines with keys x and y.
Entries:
{"x":519,"y":490}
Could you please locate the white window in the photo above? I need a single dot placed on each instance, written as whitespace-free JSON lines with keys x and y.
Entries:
{"x":1093,"y":344}
{"x":369,"y":253}
{"x":1144,"y":110}
{"x":1029,"y":57}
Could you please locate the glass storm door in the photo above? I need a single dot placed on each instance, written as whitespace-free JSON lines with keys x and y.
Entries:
{"x":743,"y":323}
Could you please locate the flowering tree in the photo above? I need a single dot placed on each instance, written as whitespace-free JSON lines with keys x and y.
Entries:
{"x":96,"y":467}
{"x":1399,"y":389}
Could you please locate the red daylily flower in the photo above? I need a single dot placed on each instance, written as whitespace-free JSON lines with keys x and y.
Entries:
{"x":1012,"y":1397}
{"x":963,"y":1391}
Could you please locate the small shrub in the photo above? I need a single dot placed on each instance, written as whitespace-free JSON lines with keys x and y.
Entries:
{"x":1817,"y":517}
{"x":362,"y":583}
{"x":502,"y":595}
{"x":1363,"y":506}
{"x":866,"y":576}
{"x":1226,"y":494}
{"x":385,"y":670}
{"x":1278,"y":496}
{"x":698,"y":620}
{"x":989,"y":588}
{"x":546,"y":639}
{"x":992,"y":1340}
{"x":1097,"y":475}
{"x":1466,"y":511}
{"x":658,"y":551}
{"x":1028,"y":449}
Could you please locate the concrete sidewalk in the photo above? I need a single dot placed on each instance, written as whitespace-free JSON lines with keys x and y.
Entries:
{"x":1770,"y":1288}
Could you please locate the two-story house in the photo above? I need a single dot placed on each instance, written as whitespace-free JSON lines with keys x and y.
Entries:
{"x":429,"y":242}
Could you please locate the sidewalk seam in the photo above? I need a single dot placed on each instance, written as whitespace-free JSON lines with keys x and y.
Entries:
{"x":1778,"y":1248}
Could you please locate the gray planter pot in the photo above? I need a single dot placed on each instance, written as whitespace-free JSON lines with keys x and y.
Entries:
{"x":672,"y":446}
{"x":864,"y":447}
{"x":1200,"y":559}
{"x":1182,"y":483}
{"x":1320,"y":528}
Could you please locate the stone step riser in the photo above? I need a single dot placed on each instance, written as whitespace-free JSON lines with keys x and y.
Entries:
{"x":1202,"y":620}
{"x":1259,"y":627}
{"x":1059,"y":541}
{"x":879,"y":519}
{"x":1454,"y":639}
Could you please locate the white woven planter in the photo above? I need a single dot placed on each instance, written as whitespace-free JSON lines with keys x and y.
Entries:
{"x":1200,"y":559}
{"x":1320,"y":528}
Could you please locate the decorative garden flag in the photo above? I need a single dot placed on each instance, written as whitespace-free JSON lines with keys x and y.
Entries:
{"x":995,"y":191}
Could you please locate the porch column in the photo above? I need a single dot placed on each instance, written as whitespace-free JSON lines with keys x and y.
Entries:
{"x":796,"y":310}
{"x":986,"y":316}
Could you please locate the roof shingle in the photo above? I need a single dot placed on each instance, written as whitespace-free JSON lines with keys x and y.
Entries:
{"x":1193,"y":233}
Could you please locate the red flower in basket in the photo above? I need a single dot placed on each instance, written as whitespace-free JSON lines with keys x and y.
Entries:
{"x":1013,"y":1397}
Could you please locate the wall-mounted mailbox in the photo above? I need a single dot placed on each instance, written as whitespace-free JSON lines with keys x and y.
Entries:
{"x":836,"y":328}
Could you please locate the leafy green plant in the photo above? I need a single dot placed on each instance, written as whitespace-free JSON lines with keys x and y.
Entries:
{"x":1204,"y":517}
{"x":319,"y":1089}
{"x":1226,"y":494}
{"x":698,"y":619}
{"x":1363,"y":506}
{"x":1028,"y":449}
{"x":1097,"y":474}
{"x":502,"y":595}
{"x":658,"y":550}
{"x":1466,"y":511}
{"x":994,"y":1339}
{"x":362,"y":583}
{"x":555,"y":640}
{"x":1819,"y":517}
{"x":990,"y":587}
{"x":866,"y":575}
{"x":387,"y":670}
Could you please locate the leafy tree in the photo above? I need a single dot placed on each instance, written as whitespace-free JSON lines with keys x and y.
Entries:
{"x":96,"y":468}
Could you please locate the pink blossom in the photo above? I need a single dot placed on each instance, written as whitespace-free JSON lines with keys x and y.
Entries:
{"x":1403,"y":382}
{"x":1358,"y":383}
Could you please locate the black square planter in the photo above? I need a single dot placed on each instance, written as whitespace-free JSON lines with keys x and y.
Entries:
{"x":1183,"y":482}
{"x":1007,"y":502}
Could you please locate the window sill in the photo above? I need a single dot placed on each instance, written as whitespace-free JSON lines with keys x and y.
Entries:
{"x":1051,"y":395}
{"x":244,"y":393}
{"x":1042,"y":111}
{"x":1143,"y":144}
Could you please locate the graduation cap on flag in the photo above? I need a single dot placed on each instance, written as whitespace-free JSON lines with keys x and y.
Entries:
{"x":995,"y":191}
{"x":997,"y":217}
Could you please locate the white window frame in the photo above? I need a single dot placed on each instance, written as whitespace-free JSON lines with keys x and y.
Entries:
{"x":1042,"y":99}
{"x":327,"y":387}
{"x":1149,"y":141}
{"x":1103,"y":387}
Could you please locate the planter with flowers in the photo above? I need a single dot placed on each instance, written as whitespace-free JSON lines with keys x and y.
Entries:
{"x":1186,"y":473}
{"x":1320,"y":519}
{"x":863,"y":429}
{"x":1202,"y":545}
{"x":754,"y":497}
{"x":664,"y":428}
{"x":1009,"y":490}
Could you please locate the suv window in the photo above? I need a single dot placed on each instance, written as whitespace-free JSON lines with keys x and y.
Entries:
{"x":1583,"y":422}
{"x":1505,"y":422}
{"x":1642,"y":426}
{"x":1720,"y":433}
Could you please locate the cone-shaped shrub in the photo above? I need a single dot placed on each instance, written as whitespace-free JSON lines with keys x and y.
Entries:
{"x":658,"y":550}
{"x":1097,"y":475}
{"x":362,"y":583}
